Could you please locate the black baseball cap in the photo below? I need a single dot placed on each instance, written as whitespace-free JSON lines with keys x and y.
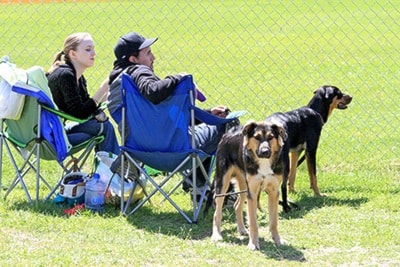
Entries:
{"x":130,"y":43}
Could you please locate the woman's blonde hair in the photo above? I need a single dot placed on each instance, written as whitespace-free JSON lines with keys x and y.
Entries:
{"x":70,"y":43}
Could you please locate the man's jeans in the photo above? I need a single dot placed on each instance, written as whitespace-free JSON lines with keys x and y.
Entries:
{"x":207,"y":137}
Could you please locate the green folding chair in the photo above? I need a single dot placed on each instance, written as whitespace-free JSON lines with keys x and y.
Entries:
{"x":37,"y":133}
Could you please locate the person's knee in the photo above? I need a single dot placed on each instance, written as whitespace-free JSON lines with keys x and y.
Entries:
{"x":108,"y":127}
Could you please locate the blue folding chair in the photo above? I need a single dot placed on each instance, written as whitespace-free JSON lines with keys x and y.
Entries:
{"x":157,"y":135}
{"x":38,"y":132}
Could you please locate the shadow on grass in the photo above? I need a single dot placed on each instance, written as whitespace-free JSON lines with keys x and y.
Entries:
{"x":49,"y":208}
{"x":169,"y":222}
{"x":267,"y":247}
{"x":172,"y":223}
{"x":283,"y":252}
{"x":157,"y":220}
{"x":306,"y":203}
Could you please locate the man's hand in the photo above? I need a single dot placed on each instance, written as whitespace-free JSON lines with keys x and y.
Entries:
{"x":220,"y":111}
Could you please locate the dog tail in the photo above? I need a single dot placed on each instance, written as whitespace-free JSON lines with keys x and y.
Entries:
{"x":301,"y":160}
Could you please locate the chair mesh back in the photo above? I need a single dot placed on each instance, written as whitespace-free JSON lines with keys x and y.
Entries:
{"x":158,"y":127}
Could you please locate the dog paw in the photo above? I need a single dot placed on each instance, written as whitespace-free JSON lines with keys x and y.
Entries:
{"x":317,"y":192}
{"x":283,"y":242}
{"x":286,"y":207}
{"x":293,"y":205}
{"x":253,"y":247}
{"x":216,"y":237}
{"x":279,"y":241}
{"x":243,"y":232}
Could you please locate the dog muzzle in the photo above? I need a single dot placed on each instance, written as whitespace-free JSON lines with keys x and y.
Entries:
{"x":264,"y":150}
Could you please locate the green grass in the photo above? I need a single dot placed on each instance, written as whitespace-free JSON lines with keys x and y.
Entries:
{"x":262,"y":57}
{"x":355,"y":224}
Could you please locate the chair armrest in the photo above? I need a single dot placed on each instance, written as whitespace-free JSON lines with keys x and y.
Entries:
{"x":209,"y":118}
{"x":64,"y":115}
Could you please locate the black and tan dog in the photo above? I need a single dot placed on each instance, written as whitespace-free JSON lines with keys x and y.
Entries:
{"x":249,"y":156}
{"x":303,"y":127}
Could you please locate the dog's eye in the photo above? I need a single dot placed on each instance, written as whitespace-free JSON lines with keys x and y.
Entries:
{"x":338,"y":94}
{"x":258,"y":137}
{"x":270,"y":137}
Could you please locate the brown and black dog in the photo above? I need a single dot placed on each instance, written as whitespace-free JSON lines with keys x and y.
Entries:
{"x":303,"y":127}
{"x":248,"y":156}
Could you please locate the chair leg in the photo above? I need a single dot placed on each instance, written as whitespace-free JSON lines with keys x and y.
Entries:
{"x":203,"y":191}
{"x":197,"y":205}
{"x":174,"y":188}
{"x":157,"y":188}
{"x":207,"y":164}
{"x":18,"y":179}
{"x":139,"y":183}
{"x":19,"y":175}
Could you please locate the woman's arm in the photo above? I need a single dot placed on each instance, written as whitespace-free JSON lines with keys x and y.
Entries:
{"x":101,"y":94}
{"x":69,"y":95}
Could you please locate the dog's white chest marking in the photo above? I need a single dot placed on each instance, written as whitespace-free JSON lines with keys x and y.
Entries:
{"x":265,"y":173}
{"x":265,"y":169}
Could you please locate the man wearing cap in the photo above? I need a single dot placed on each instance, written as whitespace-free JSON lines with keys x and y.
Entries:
{"x":134,"y":56}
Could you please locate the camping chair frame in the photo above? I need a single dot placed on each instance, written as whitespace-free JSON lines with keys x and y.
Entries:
{"x":193,"y":158}
{"x":30,"y":152}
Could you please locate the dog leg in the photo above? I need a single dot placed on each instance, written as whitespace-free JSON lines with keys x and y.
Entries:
{"x":284,"y":190}
{"x":219,"y":202}
{"x":273,"y":199}
{"x":241,"y":186}
{"x":294,"y":158}
{"x":216,"y":233}
{"x":254,"y":185}
{"x":312,"y":173}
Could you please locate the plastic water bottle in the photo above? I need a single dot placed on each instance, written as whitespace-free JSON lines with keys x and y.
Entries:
{"x":95,"y":190}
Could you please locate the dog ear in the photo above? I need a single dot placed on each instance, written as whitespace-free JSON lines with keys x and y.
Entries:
{"x":319,"y":90}
{"x":326,"y":91}
{"x":281,"y":133}
{"x":249,"y":127}
{"x":329,"y":92}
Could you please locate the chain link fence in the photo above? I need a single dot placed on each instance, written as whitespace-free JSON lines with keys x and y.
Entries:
{"x":261,"y":56}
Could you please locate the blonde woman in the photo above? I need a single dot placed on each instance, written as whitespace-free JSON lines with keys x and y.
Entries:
{"x":69,"y":89}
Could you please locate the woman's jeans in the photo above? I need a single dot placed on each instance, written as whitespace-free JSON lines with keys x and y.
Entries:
{"x":80,"y":132}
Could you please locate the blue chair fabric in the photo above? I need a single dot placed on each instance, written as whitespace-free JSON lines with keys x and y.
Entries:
{"x":158,"y":136}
